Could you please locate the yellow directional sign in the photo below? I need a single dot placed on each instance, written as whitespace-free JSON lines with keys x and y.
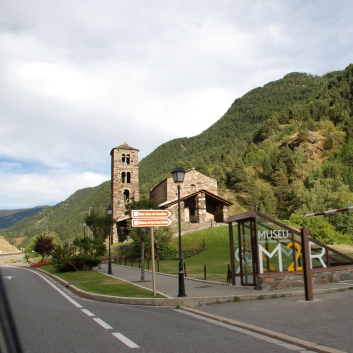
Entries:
{"x":151,"y":222}
{"x":150,"y":213}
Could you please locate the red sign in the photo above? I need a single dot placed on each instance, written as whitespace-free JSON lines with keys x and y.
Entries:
{"x":150,"y":213}
{"x":151,"y":222}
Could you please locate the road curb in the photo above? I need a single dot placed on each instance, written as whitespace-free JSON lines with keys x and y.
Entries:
{"x":178,"y":302}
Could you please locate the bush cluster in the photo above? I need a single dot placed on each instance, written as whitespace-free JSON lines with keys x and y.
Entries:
{"x":77,"y":263}
{"x":64,"y":260}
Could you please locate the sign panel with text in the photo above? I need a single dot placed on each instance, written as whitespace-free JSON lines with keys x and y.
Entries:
{"x":150,"y":213}
{"x":151,"y":222}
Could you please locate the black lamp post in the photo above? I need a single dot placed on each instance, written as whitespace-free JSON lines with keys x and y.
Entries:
{"x":109,"y":212}
{"x":178,"y":177}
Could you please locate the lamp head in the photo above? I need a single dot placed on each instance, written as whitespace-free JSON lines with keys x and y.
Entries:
{"x":109,"y":210}
{"x":178,"y":175}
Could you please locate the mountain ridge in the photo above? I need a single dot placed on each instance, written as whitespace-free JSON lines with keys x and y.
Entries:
{"x":286,"y":146}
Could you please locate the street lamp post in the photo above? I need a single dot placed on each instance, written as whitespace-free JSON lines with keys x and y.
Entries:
{"x":178,"y":177}
{"x":109,"y":212}
{"x":84,"y":229}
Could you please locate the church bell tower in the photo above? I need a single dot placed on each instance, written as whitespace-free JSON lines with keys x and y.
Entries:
{"x":124,"y":184}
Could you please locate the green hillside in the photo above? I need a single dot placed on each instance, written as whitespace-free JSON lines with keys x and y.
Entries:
{"x":8,"y":218}
{"x":64,"y":219}
{"x":228,"y":137}
{"x":286,"y":147}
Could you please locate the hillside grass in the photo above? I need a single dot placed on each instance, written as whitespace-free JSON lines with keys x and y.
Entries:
{"x":96,"y":282}
{"x":216,"y":255}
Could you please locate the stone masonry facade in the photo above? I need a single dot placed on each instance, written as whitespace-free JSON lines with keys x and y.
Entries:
{"x":193,"y":181}
{"x":124,"y":181}
{"x":297,"y":280}
{"x":194,"y":209}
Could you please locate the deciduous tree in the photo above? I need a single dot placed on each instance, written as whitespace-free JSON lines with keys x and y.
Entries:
{"x":43,"y":245}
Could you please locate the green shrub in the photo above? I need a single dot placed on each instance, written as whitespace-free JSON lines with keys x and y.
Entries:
{"x":60,"y":253}
{"x":168,"y":253}
{"x":77,"y":263}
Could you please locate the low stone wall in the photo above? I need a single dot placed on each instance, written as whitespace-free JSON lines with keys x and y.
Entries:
{"x":6,"y":258}
{"x":297,"y":280}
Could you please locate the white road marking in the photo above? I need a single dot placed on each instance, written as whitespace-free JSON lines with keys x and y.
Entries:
{"x":87,"y":312}
{"x":102,"y":323}
{"x":60,"y":291}
{"x":125,"y":340}
{"x":118,"y":335}
{"x":9,"y":277}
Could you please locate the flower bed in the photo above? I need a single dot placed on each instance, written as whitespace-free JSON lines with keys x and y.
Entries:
{"x":40,"y":264}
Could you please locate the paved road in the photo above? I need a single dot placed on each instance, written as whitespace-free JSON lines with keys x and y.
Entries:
{"x":326,"y":321}
{"x":52,"y":319}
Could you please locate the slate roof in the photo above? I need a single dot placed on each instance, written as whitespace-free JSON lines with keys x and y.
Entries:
{"x":125,"y":146}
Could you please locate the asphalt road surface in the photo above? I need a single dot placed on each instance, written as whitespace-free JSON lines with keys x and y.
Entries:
{"x":49,"y":318}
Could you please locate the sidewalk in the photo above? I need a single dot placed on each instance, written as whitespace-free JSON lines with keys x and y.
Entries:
{"x":201,"y":292}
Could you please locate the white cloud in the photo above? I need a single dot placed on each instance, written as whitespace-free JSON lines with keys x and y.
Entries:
{"x":79,"y":78}
{"x":22,"y":189}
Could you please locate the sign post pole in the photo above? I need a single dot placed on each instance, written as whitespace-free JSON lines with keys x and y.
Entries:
{"x":153,"y":264}
{"x":151,"y":218}
{"x":308,"y":282}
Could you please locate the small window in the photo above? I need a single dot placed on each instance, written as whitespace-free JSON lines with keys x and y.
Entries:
{"x":126,"y":196}
{"x":128,"y":177}
{"x":123,"y":177}
{"x":127,"y":159}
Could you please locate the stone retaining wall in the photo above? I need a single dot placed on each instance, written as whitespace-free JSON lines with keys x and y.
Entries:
{"x":6,"y":258}
{"x":297,"y":280}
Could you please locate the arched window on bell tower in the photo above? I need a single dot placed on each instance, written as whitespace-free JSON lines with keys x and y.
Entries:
{"x":128,"y":177}
{"x":126,"y":195}
{"x":123,"y":177}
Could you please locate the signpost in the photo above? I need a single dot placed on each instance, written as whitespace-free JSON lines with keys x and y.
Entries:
{"x":150,"y":213}
{"x":151,"y":218}
{"x":151,"y":222}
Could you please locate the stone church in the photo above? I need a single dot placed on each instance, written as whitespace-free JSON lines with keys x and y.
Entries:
{"x":198,"y":193}
{"x":199,"y":198}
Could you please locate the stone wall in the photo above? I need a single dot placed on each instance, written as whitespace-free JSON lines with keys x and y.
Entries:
{"x":6,"y":258}
{"x":124,"y":181}
{"x":159,"y":193}
{"x":194,"y":181}
{"x":297,"y":280}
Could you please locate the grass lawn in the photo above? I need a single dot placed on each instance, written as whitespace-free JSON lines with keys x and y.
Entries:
{"x":95,"y":282}
{"x":216,"y":255}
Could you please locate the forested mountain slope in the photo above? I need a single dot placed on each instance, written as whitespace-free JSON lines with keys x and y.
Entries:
{"x":230,"y":134}
{"x":286,"y":147}
{"x":8,"y":218}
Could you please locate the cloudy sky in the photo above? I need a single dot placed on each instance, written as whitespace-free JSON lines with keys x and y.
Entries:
{"x":79,"y":77}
